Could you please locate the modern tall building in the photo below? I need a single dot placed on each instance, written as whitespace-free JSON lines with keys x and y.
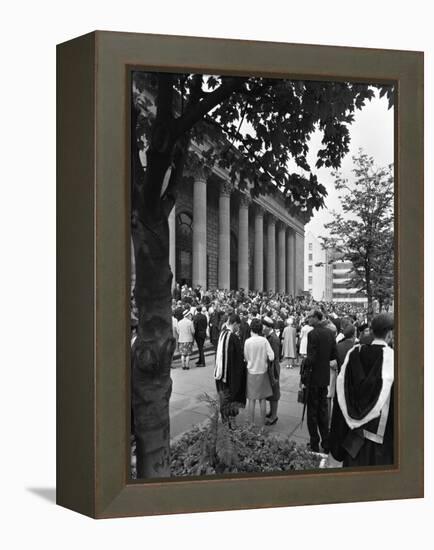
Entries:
{"x":315,"y":267}
{"x":342,"y":291}
{"x":318,"y":277}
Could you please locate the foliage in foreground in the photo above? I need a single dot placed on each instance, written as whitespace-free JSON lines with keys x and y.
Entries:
{"x":216,"y":449}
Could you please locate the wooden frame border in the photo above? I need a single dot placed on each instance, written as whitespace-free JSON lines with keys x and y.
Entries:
{"x":93,"y":273}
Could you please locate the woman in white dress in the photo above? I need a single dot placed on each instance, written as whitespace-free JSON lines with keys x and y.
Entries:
{"x":289,"y":343}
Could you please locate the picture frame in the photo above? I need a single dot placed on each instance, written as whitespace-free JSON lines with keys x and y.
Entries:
{"x":93,"y":274}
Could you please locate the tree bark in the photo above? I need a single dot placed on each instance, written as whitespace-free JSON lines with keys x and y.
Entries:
{"x":153,"y":349}
{"x":370,"y":312}
{"x":152,"y":352}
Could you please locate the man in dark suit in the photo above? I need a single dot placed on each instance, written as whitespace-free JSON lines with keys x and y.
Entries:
{"x":344,"y":346}
{"x":215,"y":324}
{"x":200,"y":325}
{"x":244,"y":331}
{"x":321,"y":349}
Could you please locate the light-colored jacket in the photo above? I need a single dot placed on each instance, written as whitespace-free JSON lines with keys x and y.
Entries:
{"x":186,"y":330}
{"x":257,"y":353}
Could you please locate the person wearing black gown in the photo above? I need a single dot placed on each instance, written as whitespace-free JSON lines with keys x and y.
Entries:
{"x":361,"y":432}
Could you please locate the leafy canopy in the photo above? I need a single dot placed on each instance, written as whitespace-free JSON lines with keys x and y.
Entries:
{"x":252,"y":126}
{"x":363,"y":234}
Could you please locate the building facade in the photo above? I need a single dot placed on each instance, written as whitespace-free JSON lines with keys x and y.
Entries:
{"x":342,"y":292}
{"x":315,"y":267}
{"x":221,"y":238}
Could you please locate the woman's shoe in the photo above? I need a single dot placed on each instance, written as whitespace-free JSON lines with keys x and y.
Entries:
{"x":271,"y":422}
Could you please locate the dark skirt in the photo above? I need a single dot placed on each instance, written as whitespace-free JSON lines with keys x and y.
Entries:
{"x":258,"y":386}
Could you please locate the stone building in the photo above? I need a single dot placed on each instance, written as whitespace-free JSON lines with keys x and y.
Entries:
{"x":220,"y":238}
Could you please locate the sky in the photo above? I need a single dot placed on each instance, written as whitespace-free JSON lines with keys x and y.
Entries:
{"x":372,"y":130}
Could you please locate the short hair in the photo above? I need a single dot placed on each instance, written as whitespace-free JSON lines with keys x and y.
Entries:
{"x":256,"y":326}
{"x":234,"y":318}
{"x":317,"y":313}
{"x":382,"y":324}
{"x":349,"y":331}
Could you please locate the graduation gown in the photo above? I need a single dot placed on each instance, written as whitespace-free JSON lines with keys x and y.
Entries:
{"x":361,"y":432}
{"x":230,"y":372}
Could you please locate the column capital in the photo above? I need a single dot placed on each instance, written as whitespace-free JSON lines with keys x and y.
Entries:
{"x":281,"y":225}
{"x":245,"y":200}
{"x":198,"y":173}
{"x":271,"y":219}
{"x":226,"y":188}
{"x":259,"y":210}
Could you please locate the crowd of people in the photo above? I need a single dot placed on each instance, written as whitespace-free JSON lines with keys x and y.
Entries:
{"x":346,"y":364}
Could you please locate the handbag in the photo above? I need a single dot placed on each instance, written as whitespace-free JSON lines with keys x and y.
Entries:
{"x":302,"y":396}
{"x":305,"y":373}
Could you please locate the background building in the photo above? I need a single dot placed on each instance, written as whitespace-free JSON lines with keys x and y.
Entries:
{"x":220,"y":238}
{"x":315,"y":267}
{"x":342,"y":292}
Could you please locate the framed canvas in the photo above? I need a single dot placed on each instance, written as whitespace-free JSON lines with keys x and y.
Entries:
{"x":95,"y":370}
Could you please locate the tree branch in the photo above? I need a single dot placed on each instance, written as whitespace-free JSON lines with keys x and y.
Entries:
{"x":196,"y":112}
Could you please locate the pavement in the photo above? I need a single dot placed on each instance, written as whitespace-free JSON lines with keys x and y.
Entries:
{"x":187,"y":411}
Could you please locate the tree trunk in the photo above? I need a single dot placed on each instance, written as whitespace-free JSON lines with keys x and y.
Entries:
{"x":370,"y":312}
{"x":153,"y":349}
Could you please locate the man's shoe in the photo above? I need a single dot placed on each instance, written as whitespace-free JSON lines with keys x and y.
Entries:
{"x":268,"y":415}
{"x":271,"y":422}
{"x":200,"y":365}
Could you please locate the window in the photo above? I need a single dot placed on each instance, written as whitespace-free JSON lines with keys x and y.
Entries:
{"x":310,"y":269}
{"x":309,"y":280}
{"x":310,"y":246}
{"x":310,"y":257}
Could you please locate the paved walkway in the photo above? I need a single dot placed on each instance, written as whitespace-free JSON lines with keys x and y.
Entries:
{"x":187,"y":411}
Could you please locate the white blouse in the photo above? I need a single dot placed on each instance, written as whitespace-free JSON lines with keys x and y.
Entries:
{"x":257,"y":351}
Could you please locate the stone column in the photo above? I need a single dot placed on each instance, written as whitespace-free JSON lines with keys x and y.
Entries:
{"x":290,"y":262}
{"x":271,"y":254}
{"x":172,"y":244}
{"x":281,"y":257}
{"x":224,"y":259}
{"x":199,"y":230}
{"x":259,"y":249}
{"x":243,"y":242}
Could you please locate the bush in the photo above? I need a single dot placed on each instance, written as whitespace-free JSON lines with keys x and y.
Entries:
{"x":217,"y":448}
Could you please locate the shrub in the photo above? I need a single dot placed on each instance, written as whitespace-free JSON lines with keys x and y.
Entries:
{"x":217,"y":448}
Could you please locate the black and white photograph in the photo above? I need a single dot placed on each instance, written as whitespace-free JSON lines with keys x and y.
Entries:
{"x":262,"y":274}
